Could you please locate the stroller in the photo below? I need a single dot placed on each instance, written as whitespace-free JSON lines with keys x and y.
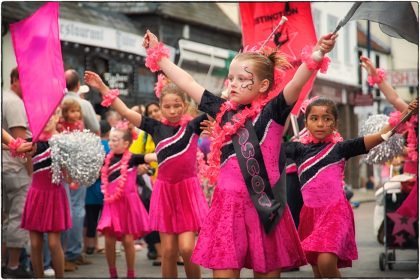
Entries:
{"x":393,"y":230}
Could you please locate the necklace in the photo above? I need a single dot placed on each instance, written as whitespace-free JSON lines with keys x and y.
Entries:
{"x":184,"y":120}
{"x":121,"y":181}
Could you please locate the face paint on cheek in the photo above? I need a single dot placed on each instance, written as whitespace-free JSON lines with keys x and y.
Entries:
{"x":250,"y":82}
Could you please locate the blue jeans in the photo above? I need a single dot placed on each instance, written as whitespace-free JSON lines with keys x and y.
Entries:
{"x":74,"y":237}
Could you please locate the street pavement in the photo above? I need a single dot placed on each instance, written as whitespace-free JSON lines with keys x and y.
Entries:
{"x":367,"y":266}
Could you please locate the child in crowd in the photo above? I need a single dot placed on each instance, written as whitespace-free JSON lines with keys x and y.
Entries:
{"x":327,"y":227}
{"x":178,"y":206}
{"x":46,"y":207}
{"x":124,"y":216}
{"x":232,"y":236}
{"x":142,"y":145}
{"x":72,"y":118}
{"x":94,"y":198}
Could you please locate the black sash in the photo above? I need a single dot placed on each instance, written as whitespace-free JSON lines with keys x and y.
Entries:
{"x":268,"y":202}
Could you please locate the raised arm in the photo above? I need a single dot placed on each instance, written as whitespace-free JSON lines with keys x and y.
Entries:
{"x":93,"y":80}
{"x":294,"y":87}
{"x":390,"y":94}
{"x":180,"y":77}
{"x":372,"y":140}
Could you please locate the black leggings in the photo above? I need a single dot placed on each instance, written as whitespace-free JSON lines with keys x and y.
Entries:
{"x":91,"y":218}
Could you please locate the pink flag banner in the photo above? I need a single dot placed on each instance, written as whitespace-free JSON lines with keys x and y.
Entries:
{"x":36,"y":42}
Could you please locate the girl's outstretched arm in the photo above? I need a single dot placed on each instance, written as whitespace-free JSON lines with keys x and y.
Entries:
{"x":372,"y":140}
{"x":93,"y":80}
{"x":294,"y":87}
{"x":180,"y":77}
{"x":390,"y":94}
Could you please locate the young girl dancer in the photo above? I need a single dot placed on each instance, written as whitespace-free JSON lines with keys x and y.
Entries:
{"x":178,"y":206}
{"x":411,"y":163}
{"x":72,"y":118}
{"x":124,"y":216}
{"x":232,"y":236}
{"x":46,"y":207}
{"x":327,"y":227}
{"x":142,"y":145}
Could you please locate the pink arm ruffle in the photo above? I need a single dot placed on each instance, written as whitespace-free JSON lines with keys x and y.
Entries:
{"x":14,"y":145}
{"x":110,"y":97}
{"x":312,"y":64}
{"x":154,"y":55}
{"x":372,"y":80}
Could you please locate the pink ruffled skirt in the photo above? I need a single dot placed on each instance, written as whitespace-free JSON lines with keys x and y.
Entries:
{"x":329,"y":229}
{"x":233,"y":237}
{"x":177,"y":207}
{"x":46,"y":206}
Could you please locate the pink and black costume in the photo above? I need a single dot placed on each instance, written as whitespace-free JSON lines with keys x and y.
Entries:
{"x":232,"y":236}
{"x":127,"y":214}
{"x":327,"y":222}
{"x":46,"y":207}
{"x":178,"y":204}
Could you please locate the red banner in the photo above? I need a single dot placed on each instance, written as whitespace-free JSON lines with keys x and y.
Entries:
{"x":258,"y":22}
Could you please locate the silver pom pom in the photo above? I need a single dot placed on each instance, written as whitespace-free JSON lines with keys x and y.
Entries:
{"x":386,"y":150}
{"x":80,"y":153}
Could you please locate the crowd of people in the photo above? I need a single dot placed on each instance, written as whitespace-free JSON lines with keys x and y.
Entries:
{"x":202,"y":190}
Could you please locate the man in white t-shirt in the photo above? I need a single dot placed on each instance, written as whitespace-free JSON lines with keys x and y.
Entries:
{"x":16,"y":179}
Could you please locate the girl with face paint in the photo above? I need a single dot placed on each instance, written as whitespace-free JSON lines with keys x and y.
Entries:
{"x":233,"y":236}
{"x":327,"y":224}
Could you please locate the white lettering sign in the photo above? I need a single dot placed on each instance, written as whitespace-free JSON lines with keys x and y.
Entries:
{"x":99,"y":36}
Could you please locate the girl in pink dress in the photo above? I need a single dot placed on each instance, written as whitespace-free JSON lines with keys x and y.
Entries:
{"x":123,"y":216}
{"x":178,"y":206}
{"x":327,"y":222}
{"x":46,"y":207}
{"x":377,"y":76}
{"x":247,"y":226}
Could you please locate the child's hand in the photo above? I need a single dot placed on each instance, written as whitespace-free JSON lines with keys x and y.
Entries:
{"x":367,"y":64}
{"x":142,"y":169}
{"x":326,"y":43}
{"x":24,"y":148}
{"x":150,"y":157}
{"x":414,"y":106}
{"x":93,"y":80}
{"x":150,"y":40}
{"x":74,"y":186}
{"x":207,"y":126}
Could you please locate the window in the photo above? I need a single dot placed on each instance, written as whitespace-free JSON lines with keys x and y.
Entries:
{"x":332,"y":22}
{"x":316,"y":16}
{"x":347,"y":44}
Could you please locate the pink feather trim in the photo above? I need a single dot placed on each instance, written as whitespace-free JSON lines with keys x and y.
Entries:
{"x":14,"y":145}
{"x":110,"y":97}
{"x":312,"y":64}
{"x":154,"y":55}
{"x":372,"y":80}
